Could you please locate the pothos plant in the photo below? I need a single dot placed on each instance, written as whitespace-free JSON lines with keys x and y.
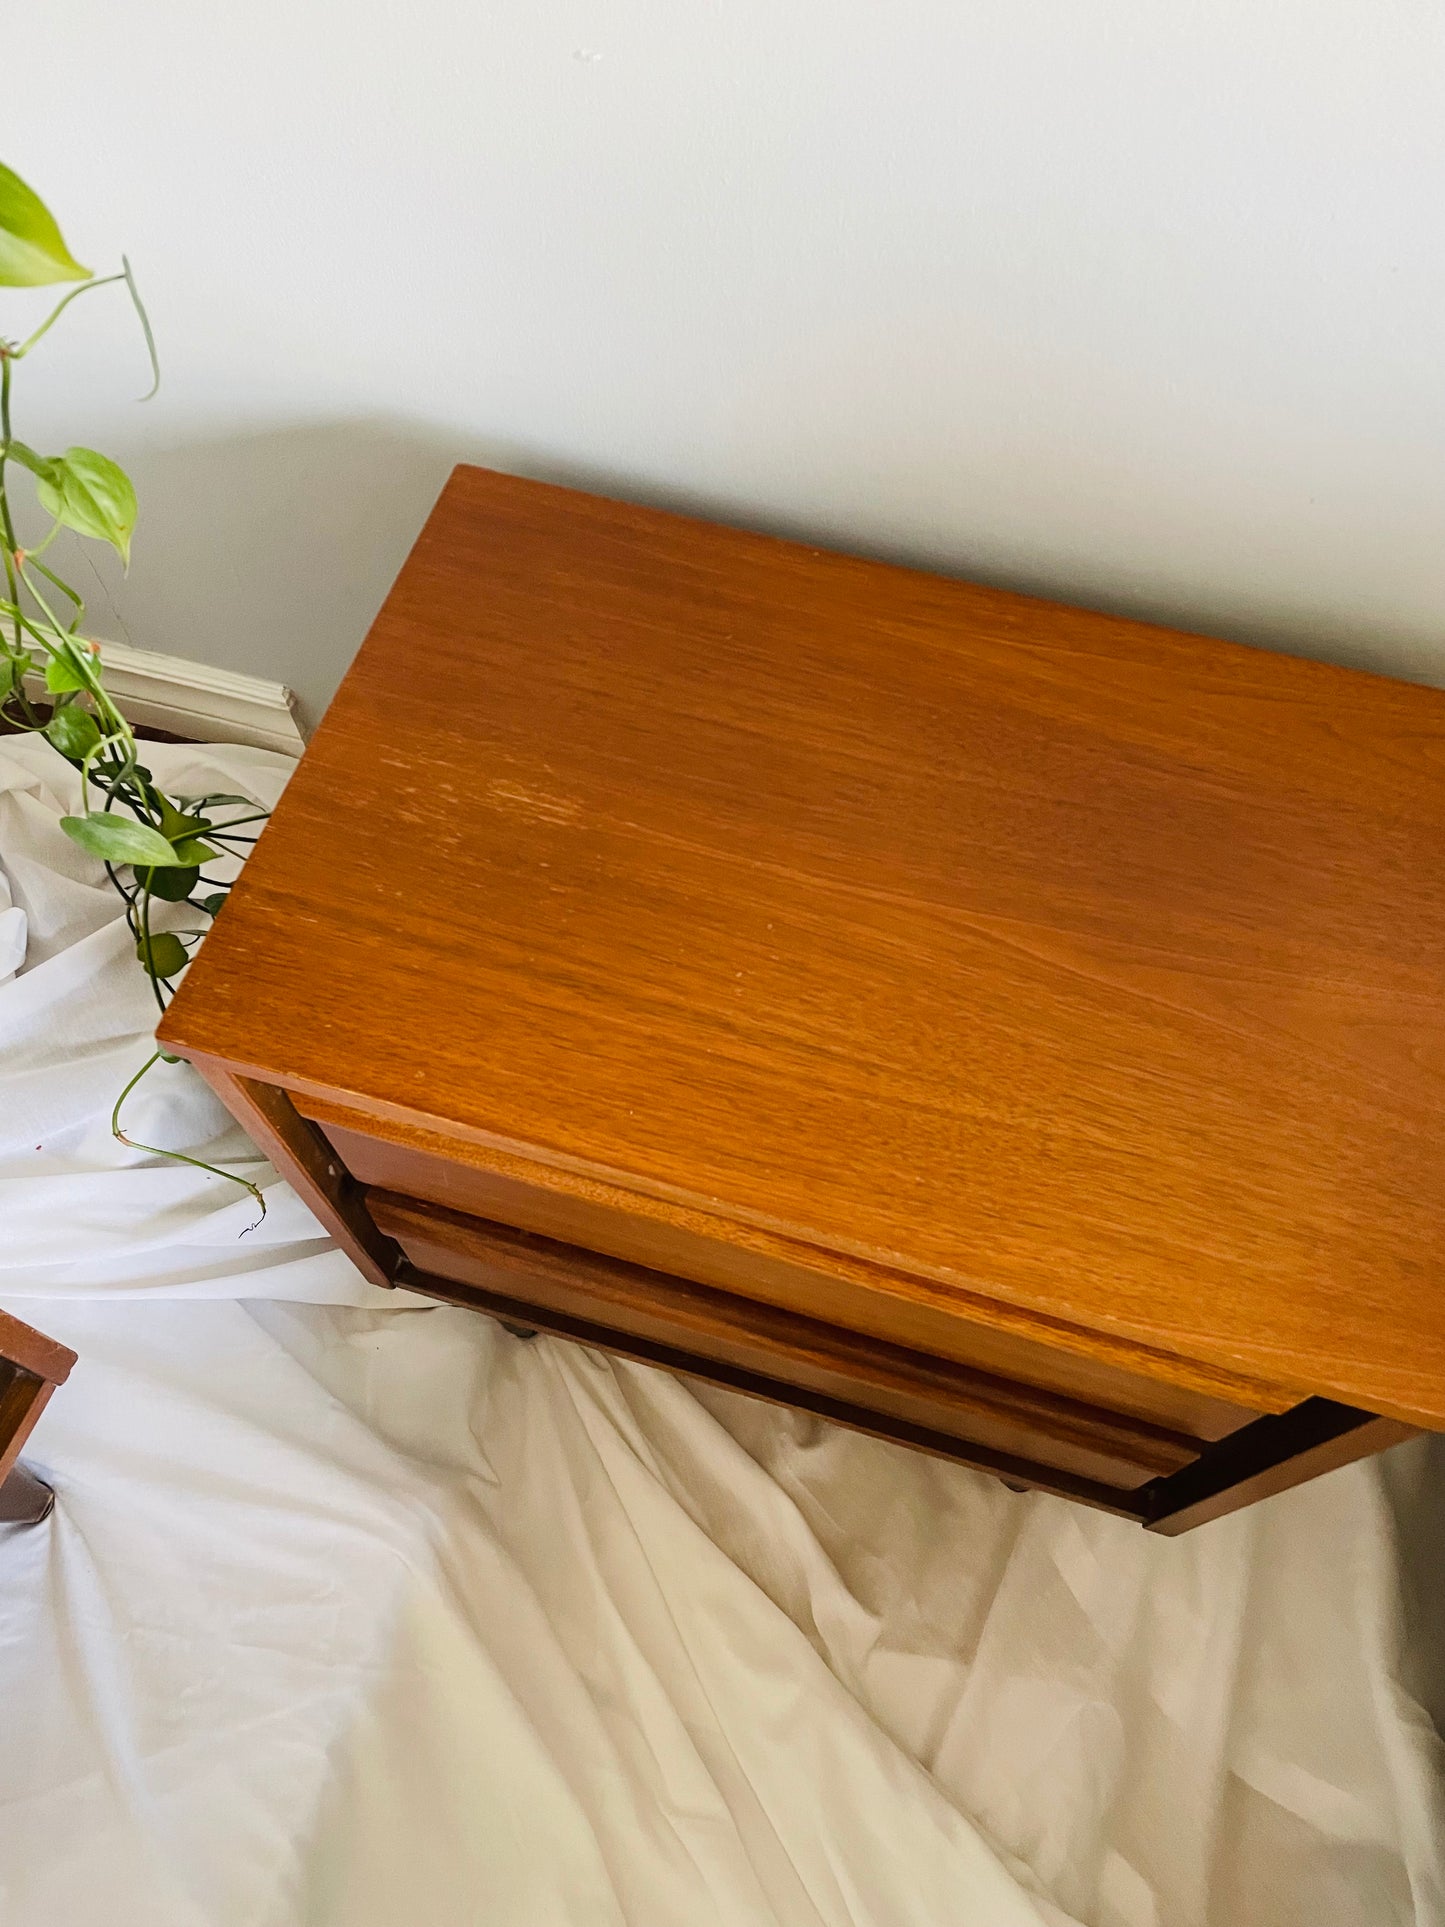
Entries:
{"x":156,"y":848}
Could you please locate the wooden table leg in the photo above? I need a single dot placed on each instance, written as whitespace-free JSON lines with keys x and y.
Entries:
{"x":24,"y":1499}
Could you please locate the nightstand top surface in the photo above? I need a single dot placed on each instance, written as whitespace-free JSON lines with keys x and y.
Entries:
{"x":1081,"y":964}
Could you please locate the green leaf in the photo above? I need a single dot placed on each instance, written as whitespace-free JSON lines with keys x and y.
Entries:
{"x":61,"y":676}
{"x":191,"y":850}
{"x":171,"y":886}
{"x":174,"y":825}
{"x":12,"y":669}
{"x":114,"y":770}
{"x":21,"y":452}
{"x":91,"y":494}
{"x":213,"y":905}
{"x":164,"y":955}
{"x":116,"y":839}
{"x":74,"y":731}
{"x":32,"y":251}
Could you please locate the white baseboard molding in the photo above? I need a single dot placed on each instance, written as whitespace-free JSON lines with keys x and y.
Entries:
{"x":203,"y":704}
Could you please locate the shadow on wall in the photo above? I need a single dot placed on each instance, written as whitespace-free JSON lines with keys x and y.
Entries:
{"x":271,"y":553}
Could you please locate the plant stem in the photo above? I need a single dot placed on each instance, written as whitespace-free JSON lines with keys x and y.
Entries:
{"x":7,"y":526}
{"x":32,"y":556}
{"x":198,"y":1164}
{"x":86,"y":287}
{"x":122,"y":780}
{"x":145,"y":944}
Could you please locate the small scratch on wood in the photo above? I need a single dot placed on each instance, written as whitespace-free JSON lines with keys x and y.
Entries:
{"x":539,"y":805}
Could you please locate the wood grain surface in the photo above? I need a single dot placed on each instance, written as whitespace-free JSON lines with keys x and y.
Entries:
{"x":537,"y":1283}
{"x":750,"y":1264}
{"x":1019,"y":1474}
{"x":31,"y":1366}
{"x":33,"y":1351}
{"x":302,"y":1156}
{"x":805,"y":1353}
{"x":1269,"y":1457}
{"x":1055,"y":962}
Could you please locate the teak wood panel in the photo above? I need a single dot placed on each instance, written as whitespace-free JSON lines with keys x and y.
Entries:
{"x":1268,"y":1457}
{"x":33,"y":1351}
{"x":854,"y":1380}
{"x":768,"y":1269}
{"x":909,"y":956}
{"x":584,"y":1330}
{"x":704,"y":1329}
{"x":302,"y":1155}
{"x":23,"y":1398}
{"x":1049,"y":958}
{"x":1050,"y":1444}
{"x":31,"y":1366}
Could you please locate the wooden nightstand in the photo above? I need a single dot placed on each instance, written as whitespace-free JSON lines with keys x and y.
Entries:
{"x":1007,"y":1029}
{"x":31,"y":1366}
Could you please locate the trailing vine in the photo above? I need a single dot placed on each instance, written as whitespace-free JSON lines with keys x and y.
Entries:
{"x":156,"y":848}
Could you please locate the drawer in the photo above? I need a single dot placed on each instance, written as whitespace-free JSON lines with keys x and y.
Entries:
{"x":1019,"y":1430}
{"x":765,"y":1268}
{"x":1167,"y":1477}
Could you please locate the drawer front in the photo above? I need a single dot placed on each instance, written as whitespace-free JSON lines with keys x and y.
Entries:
{"x":1017,"y":1429}
{"x":767,"y":1270}
{"x":1168,"y":1478}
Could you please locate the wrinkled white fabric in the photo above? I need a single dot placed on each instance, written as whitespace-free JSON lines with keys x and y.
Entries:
{"x":355,"y":1610}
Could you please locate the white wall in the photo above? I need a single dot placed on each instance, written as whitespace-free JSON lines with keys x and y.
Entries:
{"x":1138,"y":302}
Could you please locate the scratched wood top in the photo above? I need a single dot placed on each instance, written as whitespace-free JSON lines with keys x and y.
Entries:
{"x":1086,"y":966}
